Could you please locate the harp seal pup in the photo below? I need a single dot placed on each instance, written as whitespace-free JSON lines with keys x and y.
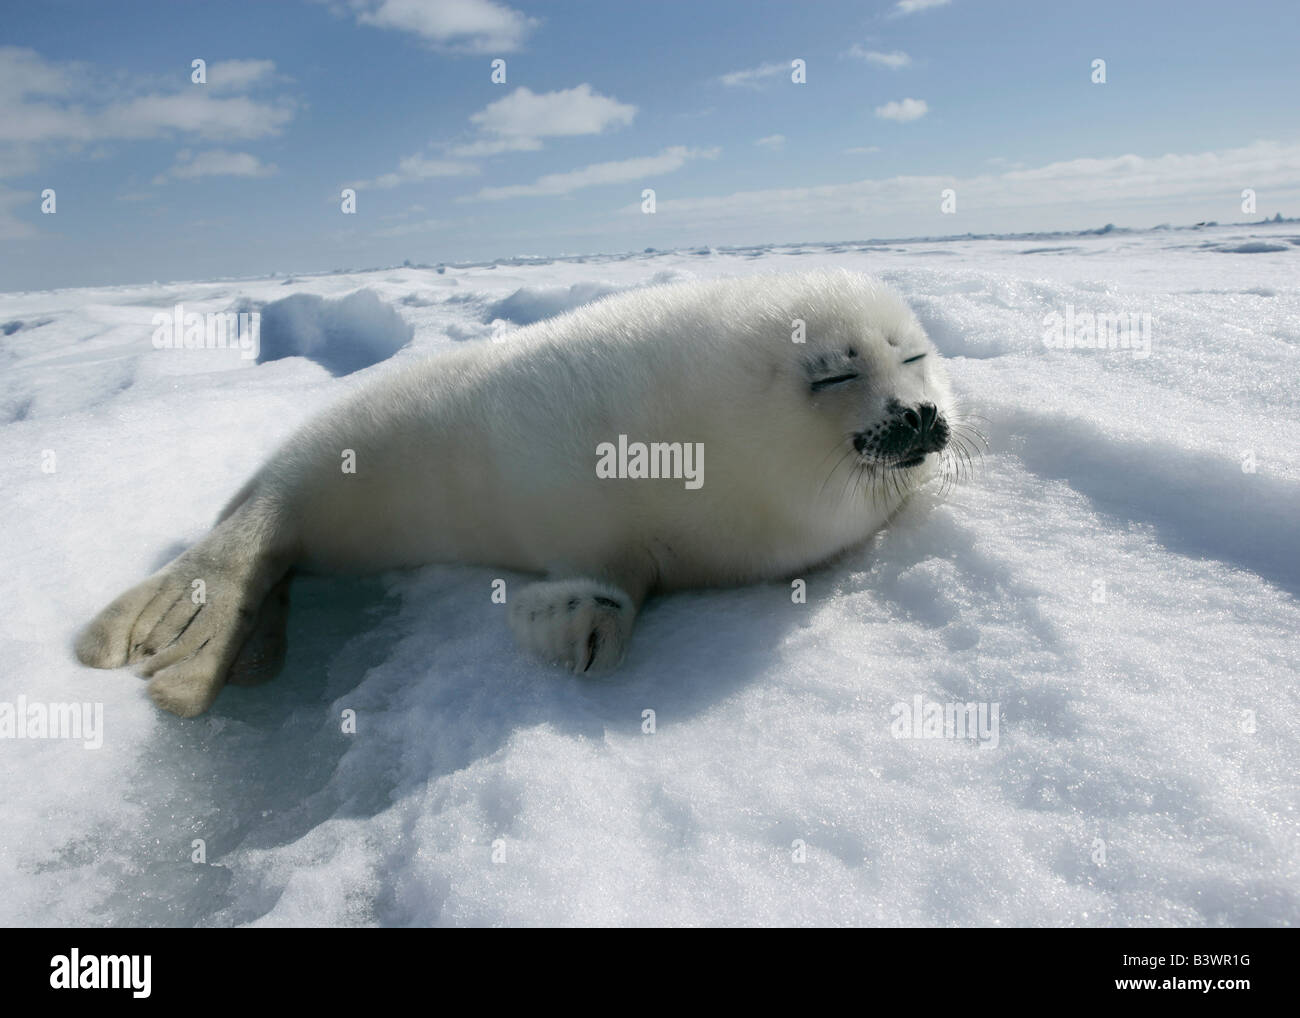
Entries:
{"x":816,"y":397}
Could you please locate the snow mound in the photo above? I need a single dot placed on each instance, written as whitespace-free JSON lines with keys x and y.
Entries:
{"x":342,"y":335}
{"x":531,"y":304}
{"x":1253,"y":247}
{"x":9,"y":328}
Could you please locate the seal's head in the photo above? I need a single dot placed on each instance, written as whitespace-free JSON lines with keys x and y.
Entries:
{"x":875,"y":381}
{"x":872,"y":369}
{"x":894,"y":405}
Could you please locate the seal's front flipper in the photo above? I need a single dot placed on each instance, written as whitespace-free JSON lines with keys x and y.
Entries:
{"x":262,"y":655}
{"x":583,"y":624}
{"x":186,"y":625}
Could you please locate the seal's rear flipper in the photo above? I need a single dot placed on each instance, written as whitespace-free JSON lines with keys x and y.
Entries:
{"x":186,"y":625}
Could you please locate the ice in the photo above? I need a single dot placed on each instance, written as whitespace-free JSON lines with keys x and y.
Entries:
{"x":531,"y":304}
{"x":342,"y":335}
{"x":1120,"y":575}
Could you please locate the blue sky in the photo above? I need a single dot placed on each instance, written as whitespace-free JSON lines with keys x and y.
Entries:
{"x":157,"y":177}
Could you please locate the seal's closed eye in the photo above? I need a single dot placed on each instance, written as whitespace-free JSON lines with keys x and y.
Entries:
{"x":825,"y":383}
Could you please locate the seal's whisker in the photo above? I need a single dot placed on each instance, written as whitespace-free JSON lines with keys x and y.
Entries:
{"x":845,"y":455}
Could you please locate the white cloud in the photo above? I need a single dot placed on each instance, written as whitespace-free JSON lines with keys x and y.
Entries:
{"x":405,"y":213}
{"x":25,"y":72}
{"x":912,"y":6}
{"x":527,"y":114}
{"x":750,"y":78}
{"x":11,"y":227}
{"x":24,"y":76}
{"x":53,"y":108}
{"x":193,"y":112}
{"x":405,"y":229}
{"x":419,"y":167}
{"x":773,"y":141}
{"x":237,"y":75}
{"x":893,"y":60}
{"x":517,"y":123}
{"x":468,"y":26}
{"x":667,"y":161}
{"x":495,"y":146}
{"x":908,"y":109}
{"x":1100,"y":188}
{"x":215,"y":163}
{"x":423,"y":168}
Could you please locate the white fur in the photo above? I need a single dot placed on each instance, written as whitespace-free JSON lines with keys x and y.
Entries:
{"x":488,"y":455}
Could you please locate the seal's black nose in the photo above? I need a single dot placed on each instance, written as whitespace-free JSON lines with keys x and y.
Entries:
{"x":929,"y":429}
{"x":908,"y":436}
{"x":921,"y":418}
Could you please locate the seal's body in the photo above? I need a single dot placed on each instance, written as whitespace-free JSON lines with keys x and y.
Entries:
{"x":697,"y":434}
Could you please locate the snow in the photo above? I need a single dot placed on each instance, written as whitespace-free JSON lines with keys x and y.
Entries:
{"x":343,"y":335}
{"x":1120,"y":576}
{"x":531,"y":304}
